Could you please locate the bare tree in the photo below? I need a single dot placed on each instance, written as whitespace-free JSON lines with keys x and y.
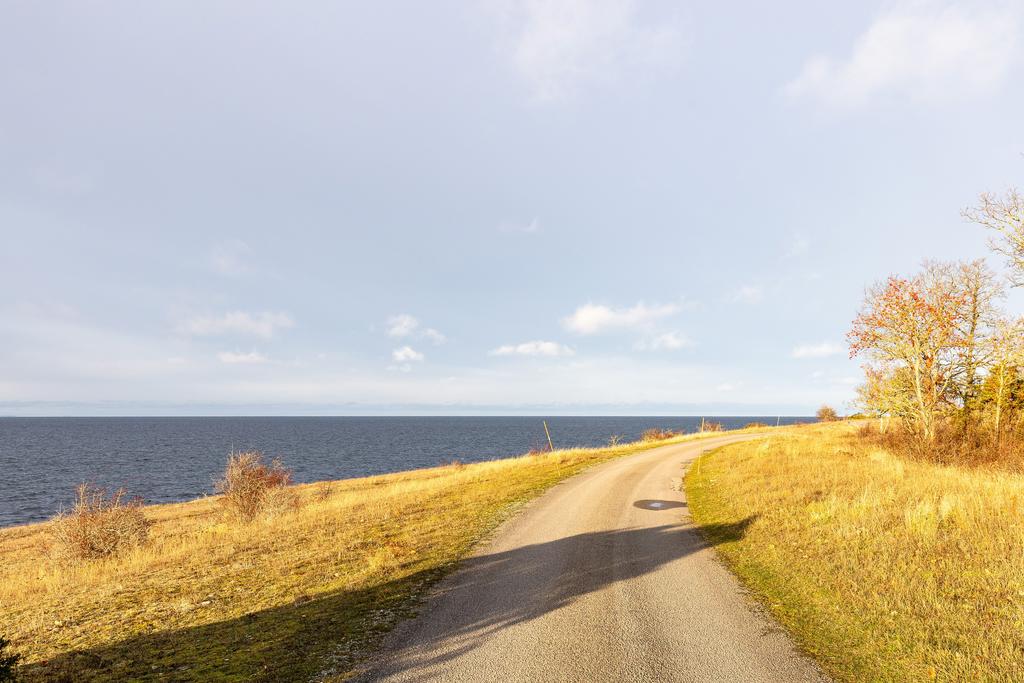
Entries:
{"x":977,"y":289}
{"x":1004,"y":215}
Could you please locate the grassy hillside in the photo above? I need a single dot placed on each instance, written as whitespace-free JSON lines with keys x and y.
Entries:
{"x":294,"y":597}
{"x":885,"y":569}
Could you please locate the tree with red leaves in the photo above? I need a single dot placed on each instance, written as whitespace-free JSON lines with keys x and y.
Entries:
{"x":911,"y":330}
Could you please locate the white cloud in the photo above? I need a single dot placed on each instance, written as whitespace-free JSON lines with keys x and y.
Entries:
{"x":60,"y":179}
{"x":929,"y":50}
{"x":559,"y":47}
{"x":749,"y":294}
{"x":263,"y":325}
{"x":406,"y":354}
{"x":230,"y":259}
{"x":233,"y":358}
{"x":822,"y":350}
{"x":402,"y":325}
{"x":725,"y":387}
{"x":405,"y":325}
{"x":404,"y":367}
{"x":669,"y":341}
{"x":594,"y":318}
{"x":513,"y":226}
{"x":798,"y":247}
{"x":433,"y":336}
{"x":533,"y":348}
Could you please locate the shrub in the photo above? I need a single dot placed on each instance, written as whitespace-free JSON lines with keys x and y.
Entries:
{"x":8,"y":661}
{"x":957,"y":441}
{"x":614,"y":440}
{"x":713,"y":427}
{"x":251,"y":487}
{"x":827,"y":414}
{"x":754,"y":425}
{"x":98,"y":525}
{"x":323,"y":491}
{"x":658,"y":434}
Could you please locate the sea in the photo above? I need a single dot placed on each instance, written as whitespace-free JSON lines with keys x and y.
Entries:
{"x":171,"y":459}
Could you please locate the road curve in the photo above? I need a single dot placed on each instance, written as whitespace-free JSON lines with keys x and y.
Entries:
{"x":603,"y":578}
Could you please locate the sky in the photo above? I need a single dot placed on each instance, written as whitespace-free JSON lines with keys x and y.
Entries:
{"x":480,"y":207}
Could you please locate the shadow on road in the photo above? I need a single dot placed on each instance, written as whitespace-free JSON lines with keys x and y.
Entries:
{"x":488,"y":593}
{"x":500,"y":590}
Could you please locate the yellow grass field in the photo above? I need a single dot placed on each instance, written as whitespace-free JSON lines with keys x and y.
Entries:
{"x":884,"y":569}
{"x":296,"y":597}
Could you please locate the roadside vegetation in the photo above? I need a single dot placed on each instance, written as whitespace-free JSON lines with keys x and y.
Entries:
{"x":883,"y":567}
{"x":892,"y":547}
{"x":269,"y":581}
{"x":944,"y":362}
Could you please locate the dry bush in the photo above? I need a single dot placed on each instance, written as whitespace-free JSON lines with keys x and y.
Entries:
{"x":323,"y":491}
{"x":251,"y":488}
{"x":98,"y":525}
{"x":961,"y":441}
{"x":827,"y":414}
{"x":658,"y":434}
{"x":539,"y":448}
{"x":713,"y":427}
{"x":754,"y":425}
{"x":614,"y":440}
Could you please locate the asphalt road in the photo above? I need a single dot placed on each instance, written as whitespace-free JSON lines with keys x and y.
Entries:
{"x":603,"y":578}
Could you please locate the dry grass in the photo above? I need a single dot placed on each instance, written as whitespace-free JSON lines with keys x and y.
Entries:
{"x":97,"y":525}
{"x":885,"y":569}
{"x":289,"y":597}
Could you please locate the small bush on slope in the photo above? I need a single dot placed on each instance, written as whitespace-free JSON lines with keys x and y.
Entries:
{"x":97,"y":525}
{"x":251,"y":487}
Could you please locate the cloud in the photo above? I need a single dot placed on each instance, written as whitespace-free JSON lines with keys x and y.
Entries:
{"x":929,"y":50}
{"x":433,"y":336}
{"x":59,"y":179}
{"x":402,"y":325}
{"x":234,"y":358}
{"x":822,"y":350}
{"x":533,"y":348}
{"x":512,"y":226}
{"x":725,"y":387}
{"x":559,"y":47}
{"x":230,"y":259}
{"x":669,"y":341}
{"x":263,"y":325}
{"x":798,"y":247}
{"x":748,"y":294}
{"x":405,"y":325}
{"x":595,"y":318}
{"x":406,"y":354}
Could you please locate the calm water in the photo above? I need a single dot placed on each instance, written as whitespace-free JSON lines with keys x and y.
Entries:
{"x":170,"y":459}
